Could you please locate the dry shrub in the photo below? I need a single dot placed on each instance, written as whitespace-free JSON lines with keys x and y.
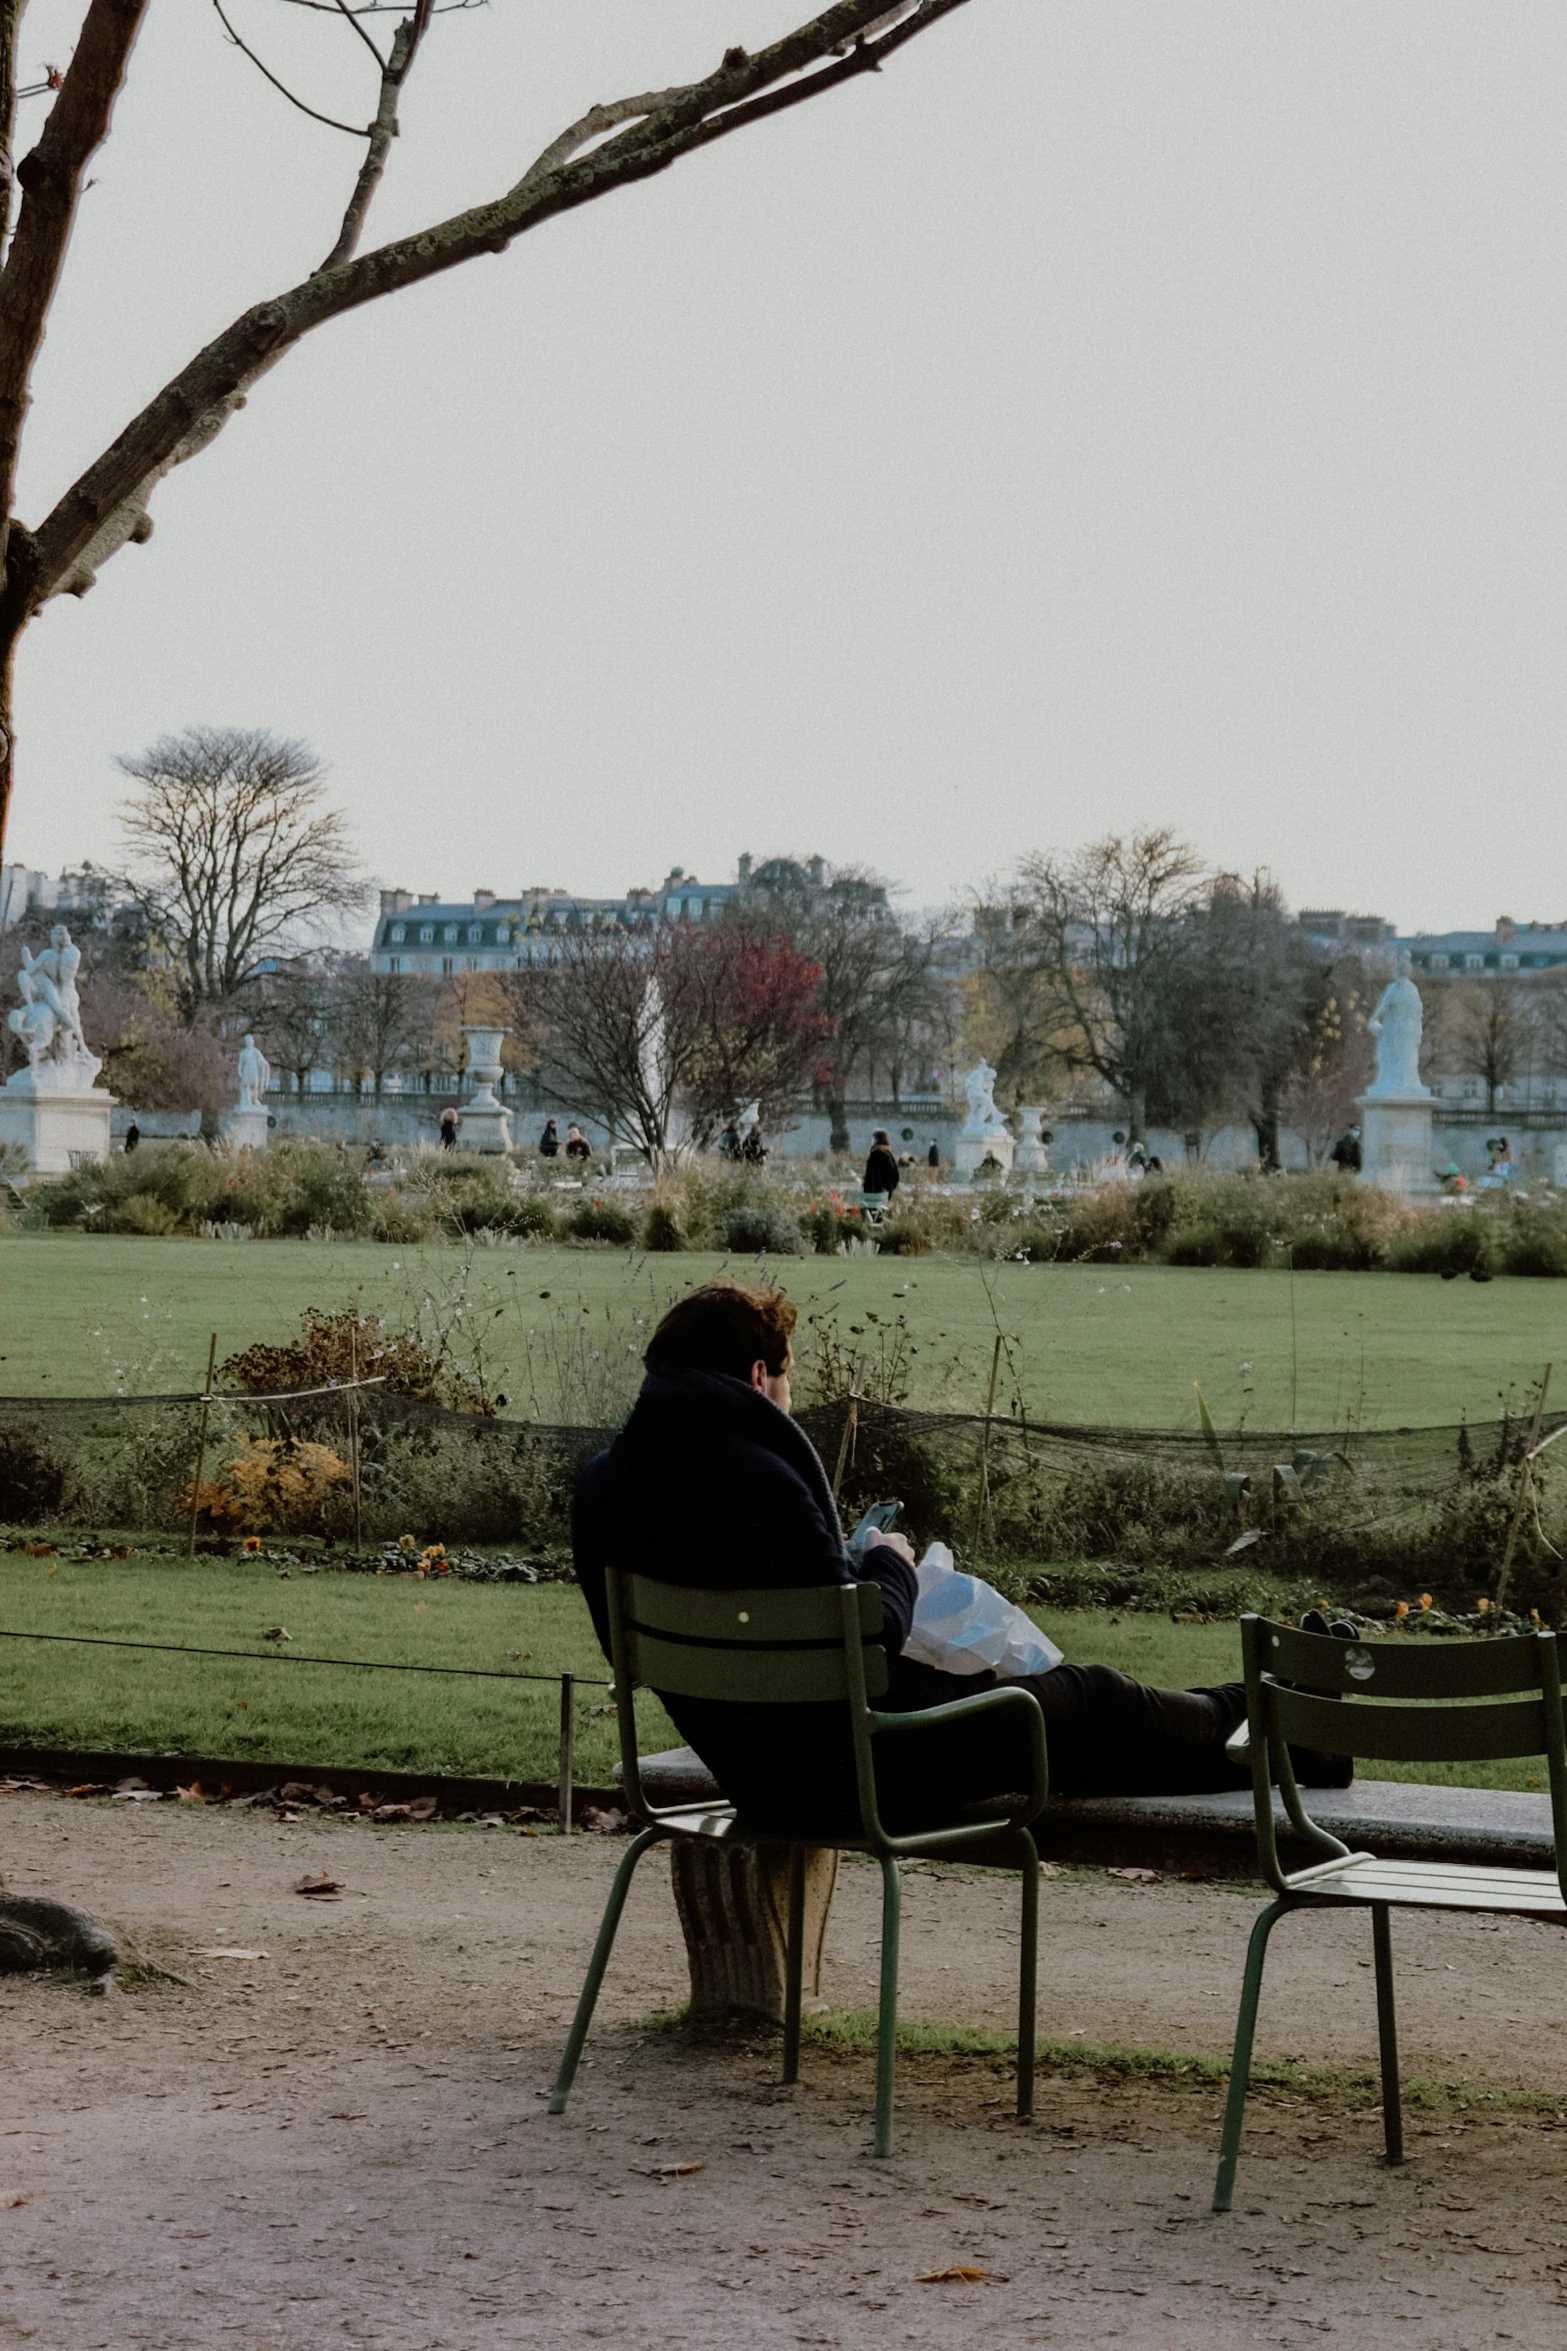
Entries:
{"x":270,"y":1483}
{"x":332,"y":1348}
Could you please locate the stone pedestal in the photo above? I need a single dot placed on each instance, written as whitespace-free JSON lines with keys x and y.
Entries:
{"x":1032,"y":1155}
{"x":57,"y":1126}
{"x":244,"y":1129}
{"x":1397,"y":1151}
{"x":485,"y":1122}
{"x":970,"y":1152}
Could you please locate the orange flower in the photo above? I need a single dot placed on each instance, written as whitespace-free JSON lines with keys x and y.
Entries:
{"x":1402,"y":1609}
{"x":252,"y":1545}
{"x":1425,"y":1599}
{"x":1483,"y":1605}
{"x":1534,"y":1616}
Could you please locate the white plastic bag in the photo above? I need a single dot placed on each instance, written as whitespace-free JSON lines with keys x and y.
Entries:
{"x":964,"y":1625}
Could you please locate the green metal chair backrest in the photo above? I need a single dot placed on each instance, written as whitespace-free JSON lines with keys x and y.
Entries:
{"x":765,"y":1648}
{"x":1411,"y":1701}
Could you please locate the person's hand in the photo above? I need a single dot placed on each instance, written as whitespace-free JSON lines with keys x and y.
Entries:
{"x":899,"y":1543}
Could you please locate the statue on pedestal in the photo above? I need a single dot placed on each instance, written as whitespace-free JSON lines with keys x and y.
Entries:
{"x":983,"y":1119}
{"x":49,"y":1018}
{"x":254,"y":1071}
{"x":1397,"y":1024}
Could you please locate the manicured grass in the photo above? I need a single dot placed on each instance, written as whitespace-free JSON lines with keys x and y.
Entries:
{"x":271,"y":1706}
{"x":84,"y":1315}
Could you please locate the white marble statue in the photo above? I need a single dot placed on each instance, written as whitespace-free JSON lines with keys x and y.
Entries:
{"x":49,"y":1018}
{"x":1396,"y":1025}
{"x":254,"y":1071}
{"x":984,"y":1119}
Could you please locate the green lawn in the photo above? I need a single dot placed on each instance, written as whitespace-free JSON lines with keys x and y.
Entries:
{"x":85,"y":1315}
{"x":270,"y":1705}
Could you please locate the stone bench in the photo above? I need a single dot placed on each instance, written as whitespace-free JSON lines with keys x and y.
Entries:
{"x":733,"y":1900}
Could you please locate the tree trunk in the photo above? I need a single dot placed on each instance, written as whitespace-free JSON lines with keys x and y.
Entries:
{"x":1136,"y":1117}
{"x":7,"y":738}
{"x":733,"y":1902}
{"x":838,"y":1140}
{"x":1265,"y":1126}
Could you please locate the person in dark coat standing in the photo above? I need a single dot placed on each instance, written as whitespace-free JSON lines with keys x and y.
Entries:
{"x":448,"y":1130}
{"x":1346,"y":1153}
{"x":881,"y":1169}
{"x":933,"y":1156}
{"x":132,"y":1136}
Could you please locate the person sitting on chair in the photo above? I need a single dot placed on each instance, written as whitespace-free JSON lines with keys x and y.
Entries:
{"x":712,"y":1484}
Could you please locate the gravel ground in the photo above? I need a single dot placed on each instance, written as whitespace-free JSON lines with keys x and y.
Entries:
{"x":344,"y":2140}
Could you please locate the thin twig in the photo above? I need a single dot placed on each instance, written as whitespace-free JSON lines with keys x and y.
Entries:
{"x":330,"y":121}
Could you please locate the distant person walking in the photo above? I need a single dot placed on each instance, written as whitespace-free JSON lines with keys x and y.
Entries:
{"x":933,"y":1156}
{"x":448,"y":1130}
{"x":132,"y":1136}
{"x":549,"y":1141}
{"x":1346,"y":1153}
{"x":881,"y":1169}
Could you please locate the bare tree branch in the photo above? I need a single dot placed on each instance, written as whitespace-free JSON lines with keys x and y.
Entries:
{"x":50,"y":179}
{"x":394,"y":72}
{"x":353,"y":19}
{"x":106,"y":506}
{"x":10,"y":26}
{"x":354,"y":130}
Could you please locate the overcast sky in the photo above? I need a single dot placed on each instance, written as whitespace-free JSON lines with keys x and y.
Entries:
{"x":1112,"y":414}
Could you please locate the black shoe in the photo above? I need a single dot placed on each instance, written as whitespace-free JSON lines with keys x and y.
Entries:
{"x":1313,"y":1769}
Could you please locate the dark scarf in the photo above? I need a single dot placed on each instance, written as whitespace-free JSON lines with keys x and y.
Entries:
{"x":676,"y":1410}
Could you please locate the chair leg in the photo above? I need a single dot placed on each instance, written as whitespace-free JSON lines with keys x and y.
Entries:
{"x":1387,"y":2032}
{"x":1240,"y":2063}
{"x":794,"y":1964}
{"x":887,"y":2015}
{"x":588,"y":1999}
{"x":1028,"y":1971}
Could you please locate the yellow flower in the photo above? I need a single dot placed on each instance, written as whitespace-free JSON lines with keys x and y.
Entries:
{"x":407,"y":1542}
{"x":1483,"y":1605}
{"x":1402,"y":1609}
{"x":1425,"y":1599}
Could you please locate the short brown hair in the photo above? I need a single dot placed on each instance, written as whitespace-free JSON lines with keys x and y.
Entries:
{"x":722,"y":1327}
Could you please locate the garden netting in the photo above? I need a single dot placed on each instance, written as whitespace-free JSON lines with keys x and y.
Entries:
{"x":1054,"y":1510}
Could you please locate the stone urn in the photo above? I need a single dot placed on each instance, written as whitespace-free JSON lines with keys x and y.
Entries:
{"x":1032,"y":1154}
{"x":486,"y":1126}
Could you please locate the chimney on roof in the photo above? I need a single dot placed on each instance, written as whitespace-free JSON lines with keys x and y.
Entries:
{"x":396,"y":901}
{"x":429,"y":897}
{"x":743,"y":869}
{"x":483,"y":900}
{"x":1505,"y":927}
{"x":816,"y":868}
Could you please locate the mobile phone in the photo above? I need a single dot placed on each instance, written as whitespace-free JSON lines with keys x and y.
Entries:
{"x":879,"y":1519}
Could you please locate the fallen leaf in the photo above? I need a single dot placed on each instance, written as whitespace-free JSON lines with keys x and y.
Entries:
{"x":674,"y":2171}
{"x":87,"y":1788}
{"x":319,"y":1887}
{"x":276,"y":1632}
{"x":192,"y":1794}
{"x":603,"y":1823}
{"x":959,"y":2274}
{"x":222,"y":1951}
{"x":10,"y":2198}
{"x":424,"y":1808}
{"x":1136,"y":1877}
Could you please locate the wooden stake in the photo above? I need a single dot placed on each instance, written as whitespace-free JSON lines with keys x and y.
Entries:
{"x":850,"y":1426}
{"x":1525,"y":1481}
{"x":353,"y":1431}
{"x":983,"y":1506}
{"x":568,"y":1738}
{"x":201,"y":1447}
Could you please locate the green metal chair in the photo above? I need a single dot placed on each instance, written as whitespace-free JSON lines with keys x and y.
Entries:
{"x":1414,"y":1702}
{"x":789,"y":1648}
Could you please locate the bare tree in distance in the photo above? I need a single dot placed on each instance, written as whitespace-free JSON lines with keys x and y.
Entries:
{"x":293,"y":1014}
{"x":612,"y":145}
{"x":233,"y":854}
{"x":1488,"y":1033}
{"x":1333,"y":1064}
{"x":838,"y":916}
{"x":380,"y":1020}
{"x":664,"y":1035}
{"x":1107,"y":930}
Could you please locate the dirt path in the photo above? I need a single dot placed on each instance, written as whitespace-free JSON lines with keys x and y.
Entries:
{"x":345,"y":2140}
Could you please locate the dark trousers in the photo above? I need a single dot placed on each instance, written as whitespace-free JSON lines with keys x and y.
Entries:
{"x":1105,"y":1735}
{"x":1110,"y":1736}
